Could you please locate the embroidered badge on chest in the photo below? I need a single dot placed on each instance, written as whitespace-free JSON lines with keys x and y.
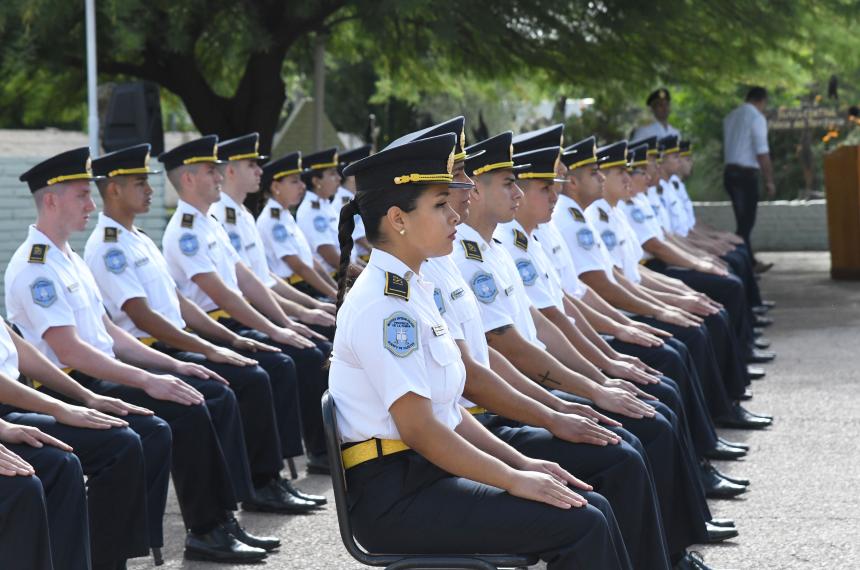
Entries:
{"x":110,"y":235}
{"x":235,"y":240}
{"x":521,"y":240}
{"x":276,"y":213}
{"x":400,"y":334}
{"x":484,"y":286}
{"x":527,"y":271}
{"x":188,"y":244}
{"x":187,"y":221}
{"x":577,"y":215}
{"x":609,"y":239}
{"x":43,"y":292}
{"x":396,"y":286}
{"x":230,"y":214}
{"x":279,"y":233}
{"x":472,"y":249}
{"x":585,"y":238}
{"x":320,"y":223}
{"x":37,"y":253}
{"x":440,"y":301}
{"x":115,"y":261}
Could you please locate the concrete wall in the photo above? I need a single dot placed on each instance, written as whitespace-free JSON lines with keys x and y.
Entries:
{"x":18,"y":211}
{"x":780,"y":226}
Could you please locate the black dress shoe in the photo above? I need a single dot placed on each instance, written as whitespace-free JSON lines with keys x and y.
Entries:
{"x":762,"y":321}
{"x":736,"y":480}
{"x":272,"y":499}
{"x":755,"y":373}
{"x":288,"y":487}
{"x":267,"y":543}
{"x":722,"y":522}
{"x":720,"y":533}
{"x":764,"y":416}
{"x":692,"y":561}
{"x":758,"y":331}
{"x":737,"y":444}
{"x":318,"y":464}
{"x":762,"y":343}
{"x":724,"y":452}
{"x":761,"y":356}
{"x":761,"y":267}
{"x":739,"y":418}
{"x":768,"y":304}
{"x":747,"y":395}
{"x":218,"y":545}
{"x":760,"y":310}
{"x":718,"y":488}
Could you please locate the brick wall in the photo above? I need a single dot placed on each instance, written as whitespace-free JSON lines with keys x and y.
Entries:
{"x":18,"y":211}
{"x":780,"y":226}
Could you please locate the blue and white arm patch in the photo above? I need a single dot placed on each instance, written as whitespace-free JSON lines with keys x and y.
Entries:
{"x":43,"y":292}
{"x":585,"y":238}
{"x":279,"y":233}
{"x":320,"y":223}
{"x":484,"y":286}
{"x":527,"y":271}
{"x":400,"y":334}
{"x":115,"y":261}
{"x":188,"y":244}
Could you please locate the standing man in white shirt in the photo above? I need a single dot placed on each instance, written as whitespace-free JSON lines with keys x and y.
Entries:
{"x":746,"y":154}
{"x":660,"y":102}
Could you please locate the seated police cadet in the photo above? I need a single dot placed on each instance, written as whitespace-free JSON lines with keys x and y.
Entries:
{"x":43,"y":504}
{"x":141,"y":298}
{"x":288,"y":252}
{"x":240,"y":169}
{"x":596,"y":455}
{"x":346,"y":193}
{"x":52,"y":297}
{"x":509,"y":322}
{"x":109,"y":453}
{"x":397,"y":387}
{"x":210,"y":273}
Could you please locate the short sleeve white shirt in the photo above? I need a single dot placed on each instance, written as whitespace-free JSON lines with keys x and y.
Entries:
{"x":554,"y":246}
{"x":318,"y":221}
{"x":241,"y":228}
{"x":8,"y":355}
{"x":744,"y":136}
{"x":658,"y":204}
{"x":282,"y":237}
{"x":341,"y":198}
{"x":586,"y":248}
{"x":655,"y":129}
{"x":542,"y":284}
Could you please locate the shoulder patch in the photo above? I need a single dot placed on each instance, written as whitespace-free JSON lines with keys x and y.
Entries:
{"x":604,"y":217}
{"x":279,"y":233}
{"x":675,"y":184}
{"x":484,"y":286}
{"x":527,"y":271}
{"x":637,"y":215}
{"x":400,"y":334}
{"x":43,"y":292}
{"x":610,"y":239}
{"x":472,"y":249}
{"x":235,"y":241}
{"x":396,"y":286}
{"x":577,"y":215}
{"x":230,"y":214}
{"x":37,"y":253}
{"x":115,"y":261}
{"x":344,"y":200}
{"x":585,"y":238}
{"x":440,"y":301}
{"x":188,"y":244}
{"x":111,"y":235}
{"x":315,"y":204}
{"x":187,"y":221}
{"x":276,"y":213}
{"x":320,"y":223}
{"x":521,"y":240}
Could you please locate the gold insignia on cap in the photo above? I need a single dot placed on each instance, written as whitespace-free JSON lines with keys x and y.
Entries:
{"x":463,"y":138}
{"x":89,"y":165}
{"x":451,"y":162}
{"x":511,"y":153}
{"x":661,"y":94}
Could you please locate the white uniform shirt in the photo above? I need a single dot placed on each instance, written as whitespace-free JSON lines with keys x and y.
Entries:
{"x":542,"y":283}
{"x":676,"y":209}
{"x":744,"y":136}
{"x":681,"y":188}
{"x":57,"y":291}
{"x":658,"y":204}
{"x":341,"y":198}
{"x":8,"y":355}
{"x":387,"y":346}
{"x":128,"y":265}
{"x":655,"y":129}
{"x":318,"y":221}
{"x":586,"y":248}
{"x":493,"y":277}
{"x":559,"y":255}
{"x":641,"y":219}
{"x":195,"y":243}
{"x":241,"y":228}
{"x":281,"y":237}
{"x":617,"y":236}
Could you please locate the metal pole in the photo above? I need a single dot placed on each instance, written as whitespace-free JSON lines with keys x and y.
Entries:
{"x":92,"y":79}
{"x":319,"y":89}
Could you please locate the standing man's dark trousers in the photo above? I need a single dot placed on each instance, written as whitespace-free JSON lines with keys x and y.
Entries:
{"x":113,"y":462}
{"x":44,"y":516}
{"x":741,"y":184}
{"x":742,"y":266}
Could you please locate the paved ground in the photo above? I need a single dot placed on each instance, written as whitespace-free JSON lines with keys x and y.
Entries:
{"x":803,"y":509}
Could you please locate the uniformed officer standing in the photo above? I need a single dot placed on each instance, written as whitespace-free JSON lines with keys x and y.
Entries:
{"x":141,"y":298}
{"x":660,"y":103}
{"x":209,"y":272}
{"x":288,"y":252}
{"x":52,"y":297}
{"x":387,"y":405}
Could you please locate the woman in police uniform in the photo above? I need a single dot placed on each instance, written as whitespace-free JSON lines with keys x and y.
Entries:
{"x":424,"y":476}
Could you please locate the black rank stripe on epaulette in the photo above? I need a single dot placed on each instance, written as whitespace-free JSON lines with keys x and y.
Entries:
{"x":396,"y":286}
{"x":37,"y":253}
{"x":496,"y":240}
{"x":111,"y":235}
{"x":230,"y":214}
{"x":577,"y":215}
{"x":315,"y":204}
{"x":187,"y":220}
{"x":472,"y":249}
{"x":521,"y":240}
{"x":276,"y":213}
{"x":604,"y":217}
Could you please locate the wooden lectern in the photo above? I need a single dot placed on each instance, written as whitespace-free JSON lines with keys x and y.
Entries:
{"x":842,"y":181}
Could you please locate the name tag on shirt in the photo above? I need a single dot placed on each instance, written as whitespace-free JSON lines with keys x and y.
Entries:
{"x":212,"y":244}
{"x":249,"y":246}
{"x":141,"y":262}
{"x":73,"y":287}
{"x":509,"y":290}
{"x":439,"y":330}
{"x":457,"y":293}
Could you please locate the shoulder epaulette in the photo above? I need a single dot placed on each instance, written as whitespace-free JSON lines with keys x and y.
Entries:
{"x":497,"y":240}
{"x":660,"y":190}
{"x":521,"y":240}
{"x":187,"y":220}
{"x":110,"y":235}
{"x":37,"y":253}
{"x":276,"y":213}
{"x":230,"y":214}
{"x":473,"y":251}
{"x":315,"y":204}
{"x":396,"y":286}
{"x":577,"y":215}
{"x":604,"y":217}
{"x":675,"y":184}
{"x":141,"y":230}
{"x":629,"y":202}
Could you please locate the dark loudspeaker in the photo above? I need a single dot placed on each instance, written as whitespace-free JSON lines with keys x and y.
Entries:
{"x":134,"y":117}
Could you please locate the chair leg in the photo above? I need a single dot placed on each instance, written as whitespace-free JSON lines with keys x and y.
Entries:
{"x":292,"y":465}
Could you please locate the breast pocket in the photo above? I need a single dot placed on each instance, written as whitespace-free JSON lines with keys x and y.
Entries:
{"x":447,"y":374}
